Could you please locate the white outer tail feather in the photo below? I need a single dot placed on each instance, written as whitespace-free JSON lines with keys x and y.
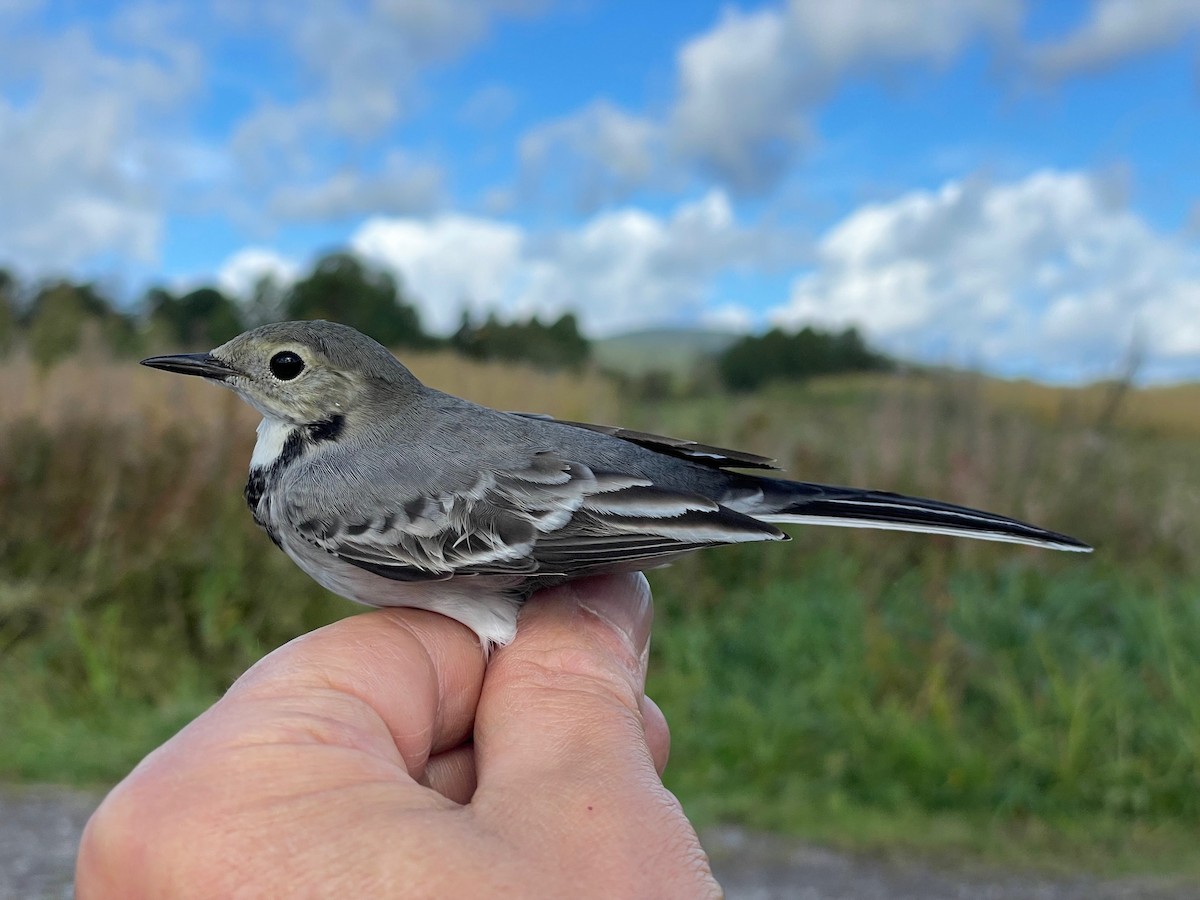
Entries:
{"x":979,"y":532}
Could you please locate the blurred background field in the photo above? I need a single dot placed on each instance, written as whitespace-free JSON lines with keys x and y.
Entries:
{"x":793,"y":227}
{"x":862,"y":688}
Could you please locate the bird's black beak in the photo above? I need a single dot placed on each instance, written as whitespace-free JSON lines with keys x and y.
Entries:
{"x":204,"y":364}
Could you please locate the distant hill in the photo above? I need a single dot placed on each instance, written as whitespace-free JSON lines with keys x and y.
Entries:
{"x":673,"y":350}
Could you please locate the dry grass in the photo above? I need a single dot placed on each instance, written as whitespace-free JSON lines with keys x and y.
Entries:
{"x":101,"y":389}
{"x":1168,"y":411}
{"x":586,"y":397}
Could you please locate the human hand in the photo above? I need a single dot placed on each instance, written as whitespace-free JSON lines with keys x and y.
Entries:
{"x":343,"y":765}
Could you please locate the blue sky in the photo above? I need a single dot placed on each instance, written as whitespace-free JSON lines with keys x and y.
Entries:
{"x":999,"y":183}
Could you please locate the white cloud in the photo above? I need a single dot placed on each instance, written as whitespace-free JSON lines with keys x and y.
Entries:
{"x":732,"y":317}
{"x":403,"y":186}
{"x":242,"y":272}
{"x":621,"y":269}
{"x":107,"y":121}
{"x":601,"y":153}
{"x":363,"y":63}
{"x":735,"y":113}
{"x":80,"y":228}
{"x":1116,"y":30}
{"x":747,"y":87}
{"x":627,"y":268}
{"x":1048,"y":275}
{"x":83,"y":154}
{"x":1173,"y":325}
{"x":746,"y":90}
{"x":447,"y":264}
{"x":436,"y":29}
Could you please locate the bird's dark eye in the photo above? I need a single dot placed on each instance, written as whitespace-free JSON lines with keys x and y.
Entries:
{"x":286,"y":365}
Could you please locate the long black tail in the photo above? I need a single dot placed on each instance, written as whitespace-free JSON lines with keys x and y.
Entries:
{"x":821,"y":504}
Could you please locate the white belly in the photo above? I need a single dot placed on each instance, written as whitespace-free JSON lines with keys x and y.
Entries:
{"x":479,"y":602}
{"x":483,"y":603}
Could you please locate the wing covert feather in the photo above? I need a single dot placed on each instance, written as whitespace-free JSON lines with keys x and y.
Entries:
{"x":551,"y":516}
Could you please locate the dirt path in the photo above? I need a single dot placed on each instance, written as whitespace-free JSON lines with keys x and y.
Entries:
{"x":39,"y":830}
{"x":763,"y":867}
{"x":40,"y":827}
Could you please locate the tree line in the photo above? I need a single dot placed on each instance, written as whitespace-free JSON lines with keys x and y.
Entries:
{"x":777,"y":355}
{"x":55,"y":319}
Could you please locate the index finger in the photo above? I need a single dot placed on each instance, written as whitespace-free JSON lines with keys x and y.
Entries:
{"x":359,"y":704}
{"x":388,"y":681}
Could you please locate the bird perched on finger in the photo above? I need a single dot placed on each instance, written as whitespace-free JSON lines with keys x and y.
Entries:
{"x":392,"y":493}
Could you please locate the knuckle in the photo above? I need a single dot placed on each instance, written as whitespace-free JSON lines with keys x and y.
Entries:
{"x":113,"y":850}
{"x":146,"y":839}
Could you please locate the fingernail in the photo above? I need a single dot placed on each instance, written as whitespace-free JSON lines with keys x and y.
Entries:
{"x":623,"y":601}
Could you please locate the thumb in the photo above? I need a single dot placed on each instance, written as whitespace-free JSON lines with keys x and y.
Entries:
{"x":560,"y":739}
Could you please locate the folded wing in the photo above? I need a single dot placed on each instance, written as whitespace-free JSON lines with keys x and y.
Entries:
{"x":549,"y":517}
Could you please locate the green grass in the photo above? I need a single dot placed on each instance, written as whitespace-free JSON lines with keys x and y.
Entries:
{"x":864,"y":689}
{"x":973,"y":712}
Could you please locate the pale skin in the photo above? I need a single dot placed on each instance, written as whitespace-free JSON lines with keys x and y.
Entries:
{"x":379,"y":757}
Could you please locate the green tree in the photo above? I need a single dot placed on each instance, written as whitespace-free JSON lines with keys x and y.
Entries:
{"x":343,"y":288}
{"x":570,"y":347}
{"x":466,"y":339}
{"x":203,"y":318}
{"x":555,"y":346}
{"x":65,"y":317}
{"x":8,"y":311}
{"x":57,"y":319}
{"x":754,"y":360}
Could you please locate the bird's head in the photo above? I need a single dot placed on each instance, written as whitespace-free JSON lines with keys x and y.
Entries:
{"x":298,"y":372}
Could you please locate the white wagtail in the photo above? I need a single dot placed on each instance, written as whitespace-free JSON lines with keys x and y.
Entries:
{"x":392,"y":493}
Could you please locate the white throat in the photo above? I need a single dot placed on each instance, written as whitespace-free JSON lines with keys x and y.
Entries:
{"x":272,"y":434}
